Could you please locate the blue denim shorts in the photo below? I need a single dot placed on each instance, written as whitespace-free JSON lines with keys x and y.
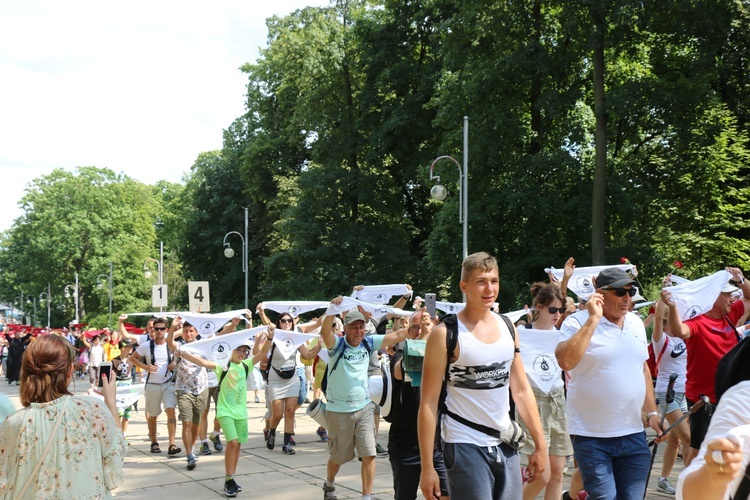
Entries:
{"x":679,"y":402}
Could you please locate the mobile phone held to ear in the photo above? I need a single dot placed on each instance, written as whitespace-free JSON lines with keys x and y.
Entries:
{"x":430,"y":304}
{"x":105,"y":369}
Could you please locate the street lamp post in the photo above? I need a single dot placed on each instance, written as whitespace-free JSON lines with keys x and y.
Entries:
{"x":159,"y":267}
{"x":229,"y":252}
{"x":33,"y":300}
{"x":47,"y":296}
{"x":109,"y":288}
{"x":75,"y":295}
{"x":20,"y":303}
{"x":439,"y":192}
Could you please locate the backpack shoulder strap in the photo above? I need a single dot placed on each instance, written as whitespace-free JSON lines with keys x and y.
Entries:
{"x":512,"y":330}
{"x":224,"y":373}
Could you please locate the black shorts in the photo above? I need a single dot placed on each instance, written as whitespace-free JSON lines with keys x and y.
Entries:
{"x":698,"y":426}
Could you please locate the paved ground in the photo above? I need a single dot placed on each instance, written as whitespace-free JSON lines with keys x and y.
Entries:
{"x":262,"y":473}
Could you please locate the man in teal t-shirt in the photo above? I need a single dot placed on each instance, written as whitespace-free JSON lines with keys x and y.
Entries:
{"x":349,"y":412}
{"x":231,"y":408}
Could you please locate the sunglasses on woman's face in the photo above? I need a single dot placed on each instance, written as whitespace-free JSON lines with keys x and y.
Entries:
{"x":286,"y":320}
{"x":554,"y":310}
{"x":620,"y":292}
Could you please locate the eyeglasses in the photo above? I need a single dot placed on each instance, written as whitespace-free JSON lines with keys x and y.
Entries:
{"x":620,"y":292}
{"x":286,"y":320}
{"x":160,"y":328}
{"x":244,"y":351}
{"x":553,"y":310}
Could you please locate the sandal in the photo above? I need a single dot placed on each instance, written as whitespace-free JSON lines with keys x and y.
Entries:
{"x":155,"y":448}
{"x":173,"y":450}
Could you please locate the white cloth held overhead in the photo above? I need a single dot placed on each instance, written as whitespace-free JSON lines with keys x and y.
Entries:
{"x":288,"y":342}
{"x":694,"y":298}
{"x":380,"y":294}
{"x":376,"y":310}
{"x":580,"y":282}
{"x":295,"y":307}
{"x":540,"y":366}
{"x":208,"y":324}
{"x":219,"y":348}
{"x":126,"y":395}
{"x":450,"y":307}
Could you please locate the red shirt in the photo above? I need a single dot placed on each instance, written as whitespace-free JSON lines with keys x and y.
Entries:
{"x":709,"y":340}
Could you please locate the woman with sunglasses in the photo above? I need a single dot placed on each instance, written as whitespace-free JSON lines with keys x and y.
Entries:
{"x":284,"y":386}
{"x":547,"y":308}
{"x":59,"y":445}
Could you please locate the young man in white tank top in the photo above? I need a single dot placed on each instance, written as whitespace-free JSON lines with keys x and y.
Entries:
{"x":485,"y":365}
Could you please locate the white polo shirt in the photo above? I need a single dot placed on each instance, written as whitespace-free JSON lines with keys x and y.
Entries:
{"x":607,"y":389}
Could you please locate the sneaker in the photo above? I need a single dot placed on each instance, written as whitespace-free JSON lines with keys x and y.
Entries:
{"x":205,"y":450}
{"x":288,"y":450}
{"x":216,"y":440}
{"x":257,"y":399}
{"x":665,"y":486}
{"x":329,"y":492}
{"x":190,"y":462}
{"x":322,"y":434}
{"x":231,"y":488}
{"x":271,"y":441}
{"x":380,"y":450}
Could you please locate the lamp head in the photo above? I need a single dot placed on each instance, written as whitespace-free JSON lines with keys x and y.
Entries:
{"x":67,"y":293}
{"x":147,"y":273}
{"x":228,"y":252}
{"x":438,"y":192}
{"x":99,"y":285}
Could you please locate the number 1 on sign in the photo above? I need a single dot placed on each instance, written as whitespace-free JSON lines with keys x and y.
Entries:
{"x":159,"y":296}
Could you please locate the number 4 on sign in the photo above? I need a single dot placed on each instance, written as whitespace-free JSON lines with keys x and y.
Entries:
{"x":198,"y":293}
{"x":159,"y":296}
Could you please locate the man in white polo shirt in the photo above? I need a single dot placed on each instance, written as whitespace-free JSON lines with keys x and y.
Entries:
{"x":605,"y":350}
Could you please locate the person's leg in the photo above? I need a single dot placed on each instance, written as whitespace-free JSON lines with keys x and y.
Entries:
{"x":594,"y":457}
{"x":469,"y":473}
{"x":277,"y":411}
{"x":531,"y":490}
{"x":171,"y":425}
{"x":332,"y":468}
{"x":203,"y":427}
{"x":630,"y":467}
{"x":169,"y":399}
{"x":231,"y":456}
{"x":368,"y":474}
{"x":576,"y":482}
{"x":555,"y":484}
{"x":406,"y":469}
{"x":152,"y":428}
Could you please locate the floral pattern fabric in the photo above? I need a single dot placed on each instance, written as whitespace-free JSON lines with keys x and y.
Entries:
{"x":84,"y":461}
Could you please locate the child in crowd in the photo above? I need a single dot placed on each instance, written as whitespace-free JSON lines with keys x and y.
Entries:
{"x":231,"y":408}
{"x":124,"y":373}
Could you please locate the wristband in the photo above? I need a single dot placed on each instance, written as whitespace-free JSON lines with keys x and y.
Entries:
{"x":651,"y":414}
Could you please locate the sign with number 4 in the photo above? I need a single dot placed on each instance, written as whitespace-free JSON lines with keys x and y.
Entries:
{"x":198,"y":294}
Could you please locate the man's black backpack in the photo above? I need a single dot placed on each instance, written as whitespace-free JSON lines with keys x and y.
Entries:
{"x":733,"y":368}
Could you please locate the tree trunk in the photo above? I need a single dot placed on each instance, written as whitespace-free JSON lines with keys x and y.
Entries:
{"x":599,"y":196}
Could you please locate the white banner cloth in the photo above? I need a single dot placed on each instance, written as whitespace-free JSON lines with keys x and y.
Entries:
{"x":580,"y":282}
{"x":126,"y":395}
{"x":288,"y":342}
{"x":208,"y":324}
{"x":514,"y":316}
{"x":376,"y":310}
{"x":379,"y":294}
{"x":697,"y":297}
{"x":219,"y":348}
{"x":295,"y":307}
{"x":538,"y":354}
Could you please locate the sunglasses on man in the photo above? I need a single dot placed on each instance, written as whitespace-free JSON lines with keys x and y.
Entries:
{"x":620,"y":292}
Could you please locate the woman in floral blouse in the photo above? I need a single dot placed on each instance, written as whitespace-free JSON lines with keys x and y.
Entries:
{"x":59,"y":445}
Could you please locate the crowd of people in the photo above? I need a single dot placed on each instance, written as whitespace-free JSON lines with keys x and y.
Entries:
{"x":499,"y":408}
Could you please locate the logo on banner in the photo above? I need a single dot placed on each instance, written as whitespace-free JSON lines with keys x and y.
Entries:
{"x":221,"y":351}
{"x":544,"y":366}
{"x":380,"y":298}
{"x":692,"y":312}
{"x":207,"y":327}
{"x":584,"y":284}
{"x":289,"y":343}
{"x":452,"y":308}
{"x":294,"y":311}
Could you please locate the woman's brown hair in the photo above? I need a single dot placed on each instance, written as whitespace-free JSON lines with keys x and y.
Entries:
{"x":44,"y":370}
{"x":544,"y":295}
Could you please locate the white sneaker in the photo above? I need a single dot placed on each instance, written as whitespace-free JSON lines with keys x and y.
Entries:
{"x":665,"y":486}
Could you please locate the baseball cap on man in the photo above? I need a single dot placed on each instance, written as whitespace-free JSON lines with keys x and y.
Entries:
{"x":613,"y":277}
{"x":729,"y":288}
{"x":353,"y":316}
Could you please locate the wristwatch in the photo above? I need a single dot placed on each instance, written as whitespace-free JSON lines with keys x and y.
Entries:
{"x":651,"y":414}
